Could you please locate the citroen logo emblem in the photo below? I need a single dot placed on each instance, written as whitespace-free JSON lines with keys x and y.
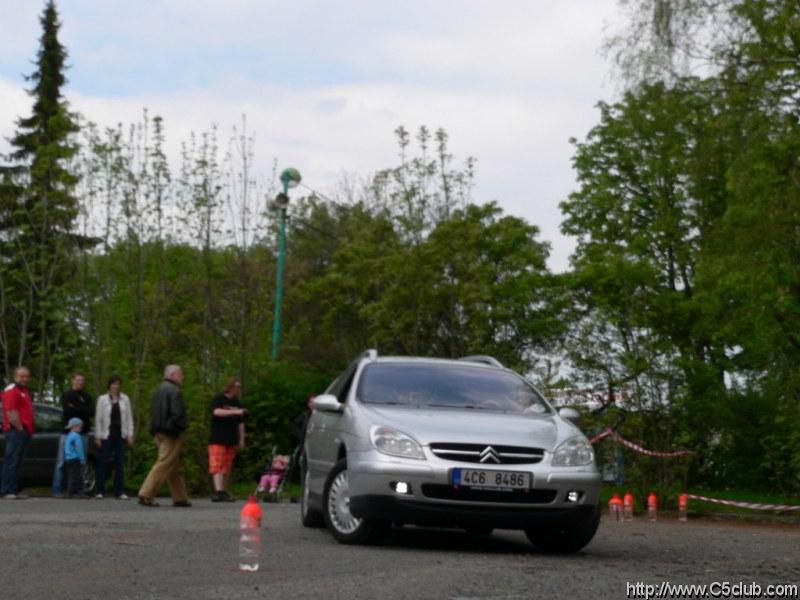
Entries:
{"x":489,"y":454}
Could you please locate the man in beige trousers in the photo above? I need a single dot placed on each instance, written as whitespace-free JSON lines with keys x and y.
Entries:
{"x":168,"y":423}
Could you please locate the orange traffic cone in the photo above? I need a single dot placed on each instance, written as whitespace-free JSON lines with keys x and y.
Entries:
{"x":652,"y":507}
{"x":627,"y":511}
{"x":615,"y":508}
{"x":683,"y":506}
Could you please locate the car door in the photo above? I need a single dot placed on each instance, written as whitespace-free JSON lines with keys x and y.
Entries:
{"x":323,"y":437}
{"x":40,"y":458}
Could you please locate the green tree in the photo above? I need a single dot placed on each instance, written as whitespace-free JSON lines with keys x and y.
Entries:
{"x":648,"y":205}
{"x":423,"y":190}
{"x":686,"y":272}
{"x":39,"y":212}
{"x":477,"y":284}
{"x":755,"y":271}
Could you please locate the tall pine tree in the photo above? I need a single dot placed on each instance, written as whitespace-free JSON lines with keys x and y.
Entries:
{"x":38,"y":211}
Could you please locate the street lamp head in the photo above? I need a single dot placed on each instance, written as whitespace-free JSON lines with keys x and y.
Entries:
{"x":290,"y":178}
{"x":281,"y":202}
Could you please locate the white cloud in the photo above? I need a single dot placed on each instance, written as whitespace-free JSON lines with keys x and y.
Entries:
{"x":510,"y":85}
{"x":14,"y":103}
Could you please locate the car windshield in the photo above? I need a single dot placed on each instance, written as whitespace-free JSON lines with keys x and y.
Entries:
{"x":448,"y":386}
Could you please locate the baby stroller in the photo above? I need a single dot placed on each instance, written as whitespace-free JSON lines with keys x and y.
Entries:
{"x":276,"y":474}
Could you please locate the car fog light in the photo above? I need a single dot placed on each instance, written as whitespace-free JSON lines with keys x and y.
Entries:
{"x":401,"y":487}
{"x":573,"y":496}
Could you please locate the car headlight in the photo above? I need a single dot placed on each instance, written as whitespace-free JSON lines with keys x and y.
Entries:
{"x":395,"y":443}
{"x":575,"y":452}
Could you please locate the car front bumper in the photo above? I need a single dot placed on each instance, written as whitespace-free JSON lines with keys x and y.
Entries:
{"x":431,"y":498}
{"x":448,"y":515}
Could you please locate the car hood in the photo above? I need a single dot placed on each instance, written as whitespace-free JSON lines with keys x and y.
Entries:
{"x":429,"y":426}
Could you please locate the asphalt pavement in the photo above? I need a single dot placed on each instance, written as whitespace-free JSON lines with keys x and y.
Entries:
{"x":116,"y":549}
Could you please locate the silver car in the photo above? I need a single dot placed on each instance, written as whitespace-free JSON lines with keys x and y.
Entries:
{"x":447,"y":443}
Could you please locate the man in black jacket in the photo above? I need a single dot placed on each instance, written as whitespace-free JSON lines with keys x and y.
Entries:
{"x":75,"y":402}
{"x":168,"y":423}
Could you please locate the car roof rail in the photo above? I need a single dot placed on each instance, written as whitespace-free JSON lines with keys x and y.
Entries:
{"x":483,"y":359}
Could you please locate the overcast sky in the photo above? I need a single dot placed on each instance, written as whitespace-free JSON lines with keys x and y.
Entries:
{"x":324,"y":84}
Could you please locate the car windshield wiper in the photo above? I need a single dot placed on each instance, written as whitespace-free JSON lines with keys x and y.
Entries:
{"x":389,"y":403}
{"x":467,"y":406}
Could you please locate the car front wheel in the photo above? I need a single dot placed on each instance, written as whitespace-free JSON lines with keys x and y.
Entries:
{"x":566,"y":536}
{"x":345,"y":527}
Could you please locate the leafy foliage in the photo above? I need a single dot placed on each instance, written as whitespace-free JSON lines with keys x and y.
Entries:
{"x":681,"y":311}
{"x":686,"y":272}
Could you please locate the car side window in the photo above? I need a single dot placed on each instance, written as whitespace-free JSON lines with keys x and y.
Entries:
{"x":348,"y":382}
{"x":341,"y":387}
{"x":48,"y":420}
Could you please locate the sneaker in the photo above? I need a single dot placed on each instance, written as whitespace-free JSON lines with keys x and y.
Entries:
{"x":227,"y":497}
{"x":182,"y":504}
{"x":122,"y":497}
{"x":21,"y":497}
{"x":58,"y":495}
{"x":218,"y":497}
{"x":147,"y":501}
{"x":99,"y":497}
{"x":10,"y":497}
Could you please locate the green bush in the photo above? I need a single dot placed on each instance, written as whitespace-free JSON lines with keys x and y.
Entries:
{"x":273,"y":401}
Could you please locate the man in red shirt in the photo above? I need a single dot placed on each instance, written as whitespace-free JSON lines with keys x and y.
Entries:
{"x":18,"y":429}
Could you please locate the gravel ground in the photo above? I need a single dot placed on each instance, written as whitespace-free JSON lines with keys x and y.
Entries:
{"x":116,"y":549}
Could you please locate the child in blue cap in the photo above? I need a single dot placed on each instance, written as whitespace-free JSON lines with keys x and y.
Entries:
{"x":74,"y":458}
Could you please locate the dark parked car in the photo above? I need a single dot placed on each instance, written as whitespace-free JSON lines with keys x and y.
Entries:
{"x":40,"y":458}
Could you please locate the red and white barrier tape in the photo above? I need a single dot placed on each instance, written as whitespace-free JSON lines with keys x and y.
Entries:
{"x":753,"y":505}
{"x":636,"y":447}
{"x":601,"y":435}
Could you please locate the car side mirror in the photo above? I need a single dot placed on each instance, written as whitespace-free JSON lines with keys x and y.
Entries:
{"x":570,"y":414}
{"x":327,"y":403}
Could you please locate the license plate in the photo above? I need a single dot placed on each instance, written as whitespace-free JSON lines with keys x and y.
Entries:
{"x":479,"y":478}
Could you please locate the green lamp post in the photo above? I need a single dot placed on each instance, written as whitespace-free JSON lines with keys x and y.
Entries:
{"x":289,"y":178}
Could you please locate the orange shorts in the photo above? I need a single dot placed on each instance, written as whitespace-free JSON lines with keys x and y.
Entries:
{"x":220,"y":458}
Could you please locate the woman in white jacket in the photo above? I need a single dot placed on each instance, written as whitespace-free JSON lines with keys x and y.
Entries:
{"x":113,"y":426}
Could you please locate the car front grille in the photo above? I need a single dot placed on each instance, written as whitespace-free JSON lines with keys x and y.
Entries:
{"x":448,"y":492}
{"x":488,"y":454}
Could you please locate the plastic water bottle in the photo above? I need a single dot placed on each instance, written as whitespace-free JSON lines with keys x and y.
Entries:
{"x":683,"y":505}
{"x":628,"y":507}
{"x":652,"y":507}
{"x":250,"y":536}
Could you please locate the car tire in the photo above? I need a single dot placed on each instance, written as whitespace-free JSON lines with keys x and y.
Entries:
{"x":308,"y":516}
{"x":344,"y":527}
{"x":566,"y":536}
{"x":90,"y":477}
